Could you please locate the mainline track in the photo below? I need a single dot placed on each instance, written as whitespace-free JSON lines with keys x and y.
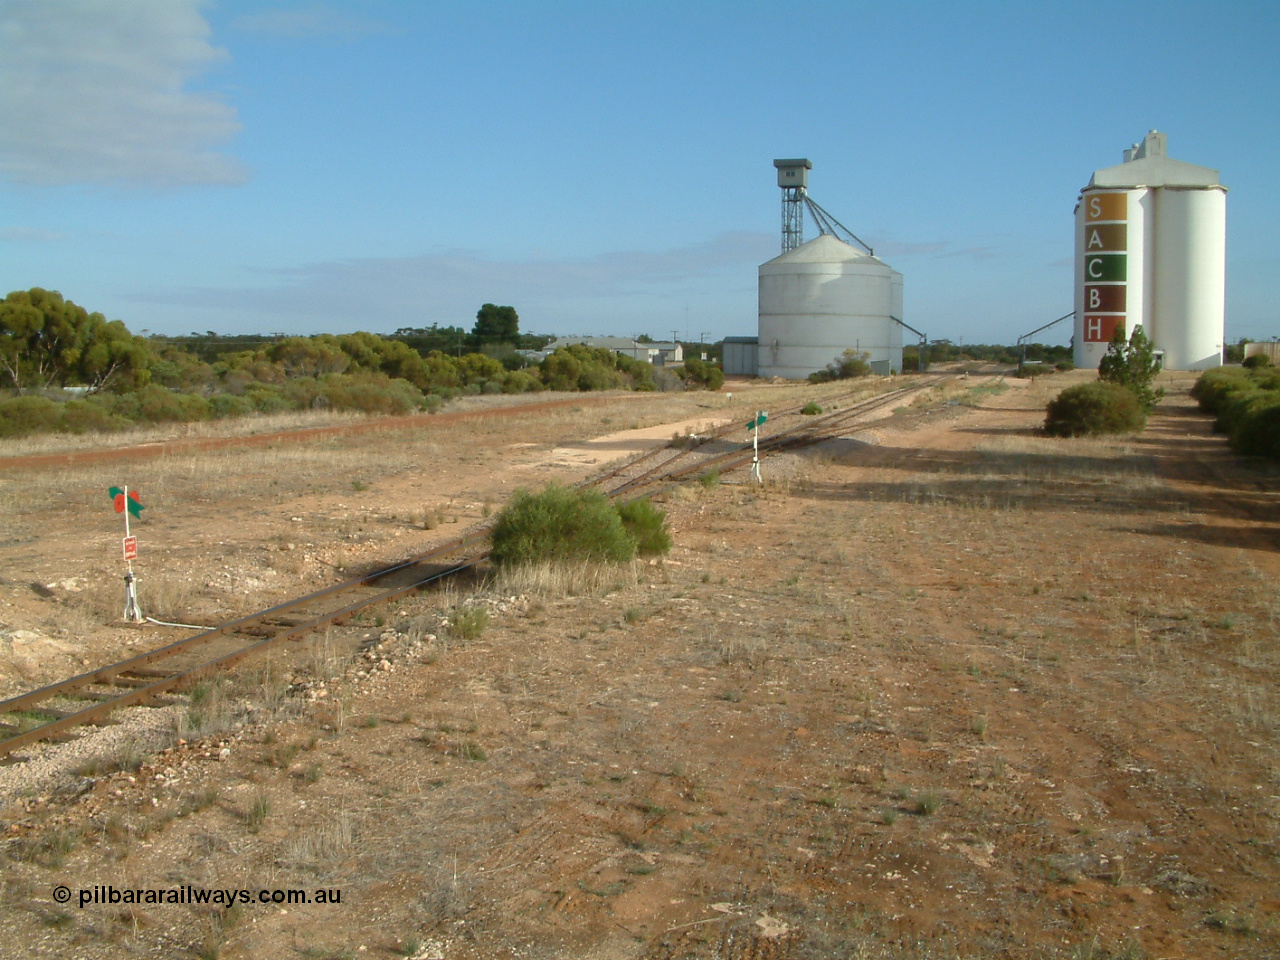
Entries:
{"x":149,"y":677}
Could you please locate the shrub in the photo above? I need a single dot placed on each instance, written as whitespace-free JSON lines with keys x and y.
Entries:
{"x":519,"y":381}
{"x":83,"y":416}
{"x":1235,"y":406}
{"x":560,"y":524}
{"x":1258,"y":431}
{"x":366,"y":392}
{"x":810,"y":409}
{"x":156,"y":404}
{"x":225,"y":405}
{"x":1094,"y":408}
{"x":267,"y":399}
{"x":1256,"y":362}
{"x":648,"y":525}
{"x":20,"y":416}
{"x":1213,"y":386}
{"x":702,"y":373}
{"x":850,"y":364}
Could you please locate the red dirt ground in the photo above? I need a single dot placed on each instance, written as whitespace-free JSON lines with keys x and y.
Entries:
{"x":943,"y":688}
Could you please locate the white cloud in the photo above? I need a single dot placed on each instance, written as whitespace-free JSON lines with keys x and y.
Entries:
{"x":611,"y":292}
{"x":306,"y":23}
{"x":92,"y":91}
{"x":30,"y":235}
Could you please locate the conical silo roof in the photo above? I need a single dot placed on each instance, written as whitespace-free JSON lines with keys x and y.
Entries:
{"x":823,"y":248}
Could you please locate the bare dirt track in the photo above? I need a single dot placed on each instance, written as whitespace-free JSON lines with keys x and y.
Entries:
{"x":943,"y":688}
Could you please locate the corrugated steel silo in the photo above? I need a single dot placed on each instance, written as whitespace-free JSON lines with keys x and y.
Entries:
{"x":823,"y":298}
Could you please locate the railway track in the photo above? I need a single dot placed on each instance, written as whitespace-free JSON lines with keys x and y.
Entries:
{"x":152,"y":678}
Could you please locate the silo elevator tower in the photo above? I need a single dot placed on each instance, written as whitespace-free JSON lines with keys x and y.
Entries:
{"x":793,"y":178}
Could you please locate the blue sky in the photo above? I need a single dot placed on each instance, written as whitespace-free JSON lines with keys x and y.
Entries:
{"x":605,"y":168}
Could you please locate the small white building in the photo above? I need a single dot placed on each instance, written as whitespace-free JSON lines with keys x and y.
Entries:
{"x":659,"y":353}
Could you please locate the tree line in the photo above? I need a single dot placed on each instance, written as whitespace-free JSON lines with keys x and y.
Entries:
{"x":66,"y":369}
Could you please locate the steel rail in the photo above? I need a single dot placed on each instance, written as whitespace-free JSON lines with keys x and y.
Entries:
{"x":728,"y":428}
{"x":104,"y":675}
{"x":836,"y":417}
{"x":715,"y":434}
{"x":143,"y":693}
{"x":806,"y":432}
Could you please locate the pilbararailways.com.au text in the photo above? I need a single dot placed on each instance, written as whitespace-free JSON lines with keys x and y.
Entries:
{"x":109,"y":895}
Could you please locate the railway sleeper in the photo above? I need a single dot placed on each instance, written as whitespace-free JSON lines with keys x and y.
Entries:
{"x":146,"y":674}
{"x":134,"y":682}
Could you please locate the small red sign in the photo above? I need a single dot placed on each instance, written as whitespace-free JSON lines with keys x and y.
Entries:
{"x":131,"y":548}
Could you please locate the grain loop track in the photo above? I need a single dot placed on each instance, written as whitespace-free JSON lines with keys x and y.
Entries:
{"x":152,"y":678}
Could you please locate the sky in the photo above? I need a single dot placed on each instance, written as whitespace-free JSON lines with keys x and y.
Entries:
{"x":308,"y":166}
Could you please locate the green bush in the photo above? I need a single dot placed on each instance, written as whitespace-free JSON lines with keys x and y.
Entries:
{"x":1246,"y":403}
{"x":20,"y":416}
{"x":702,"y":373}
{"x":810,"y":409}
{"x":849,"y":365}
{"x":1257,"y":431}
{"x":1256,"y":362}
{"x":1214,"y":386}
{"x":520,"y":381}
{"x":267,"y":398}
{"x":648,"y":525}
{"x":560,"y":524}
{"x":156,"y":404}
{"x":1094,"y":408}
{"x":225,"y":405}
{"x":83,"y":416}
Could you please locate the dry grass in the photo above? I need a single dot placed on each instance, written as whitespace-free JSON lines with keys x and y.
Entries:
{"x":730,"y":727}
{"x":555,"y":580}
{"x":327,"y":843}
{"x":238,"y":427}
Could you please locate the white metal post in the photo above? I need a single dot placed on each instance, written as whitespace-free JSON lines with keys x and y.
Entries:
{"x":132,"y":612}
{"x":755,"y":448}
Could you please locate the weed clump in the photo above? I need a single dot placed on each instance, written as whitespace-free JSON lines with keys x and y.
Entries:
{"x":467,"y":623}
{"x":811,"y":409}
{"x":648,"y":525}
{"x":563,"y":525}
{"x":1094,"y":408}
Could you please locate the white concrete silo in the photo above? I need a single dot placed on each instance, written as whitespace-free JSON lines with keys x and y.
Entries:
{"x":823,"y":298}
{"x":1151,"y":251}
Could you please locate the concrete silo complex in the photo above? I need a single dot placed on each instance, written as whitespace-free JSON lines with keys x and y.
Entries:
{"x":1151,"y":251}
{"x":820,"y":298}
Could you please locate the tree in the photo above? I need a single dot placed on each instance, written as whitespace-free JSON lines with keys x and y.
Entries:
{"x":309,"y":356}
{"x":47,"y":341}
{"x":1133,"y":365}
{"x":496,"y":324}
{"x":852,"y":363}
